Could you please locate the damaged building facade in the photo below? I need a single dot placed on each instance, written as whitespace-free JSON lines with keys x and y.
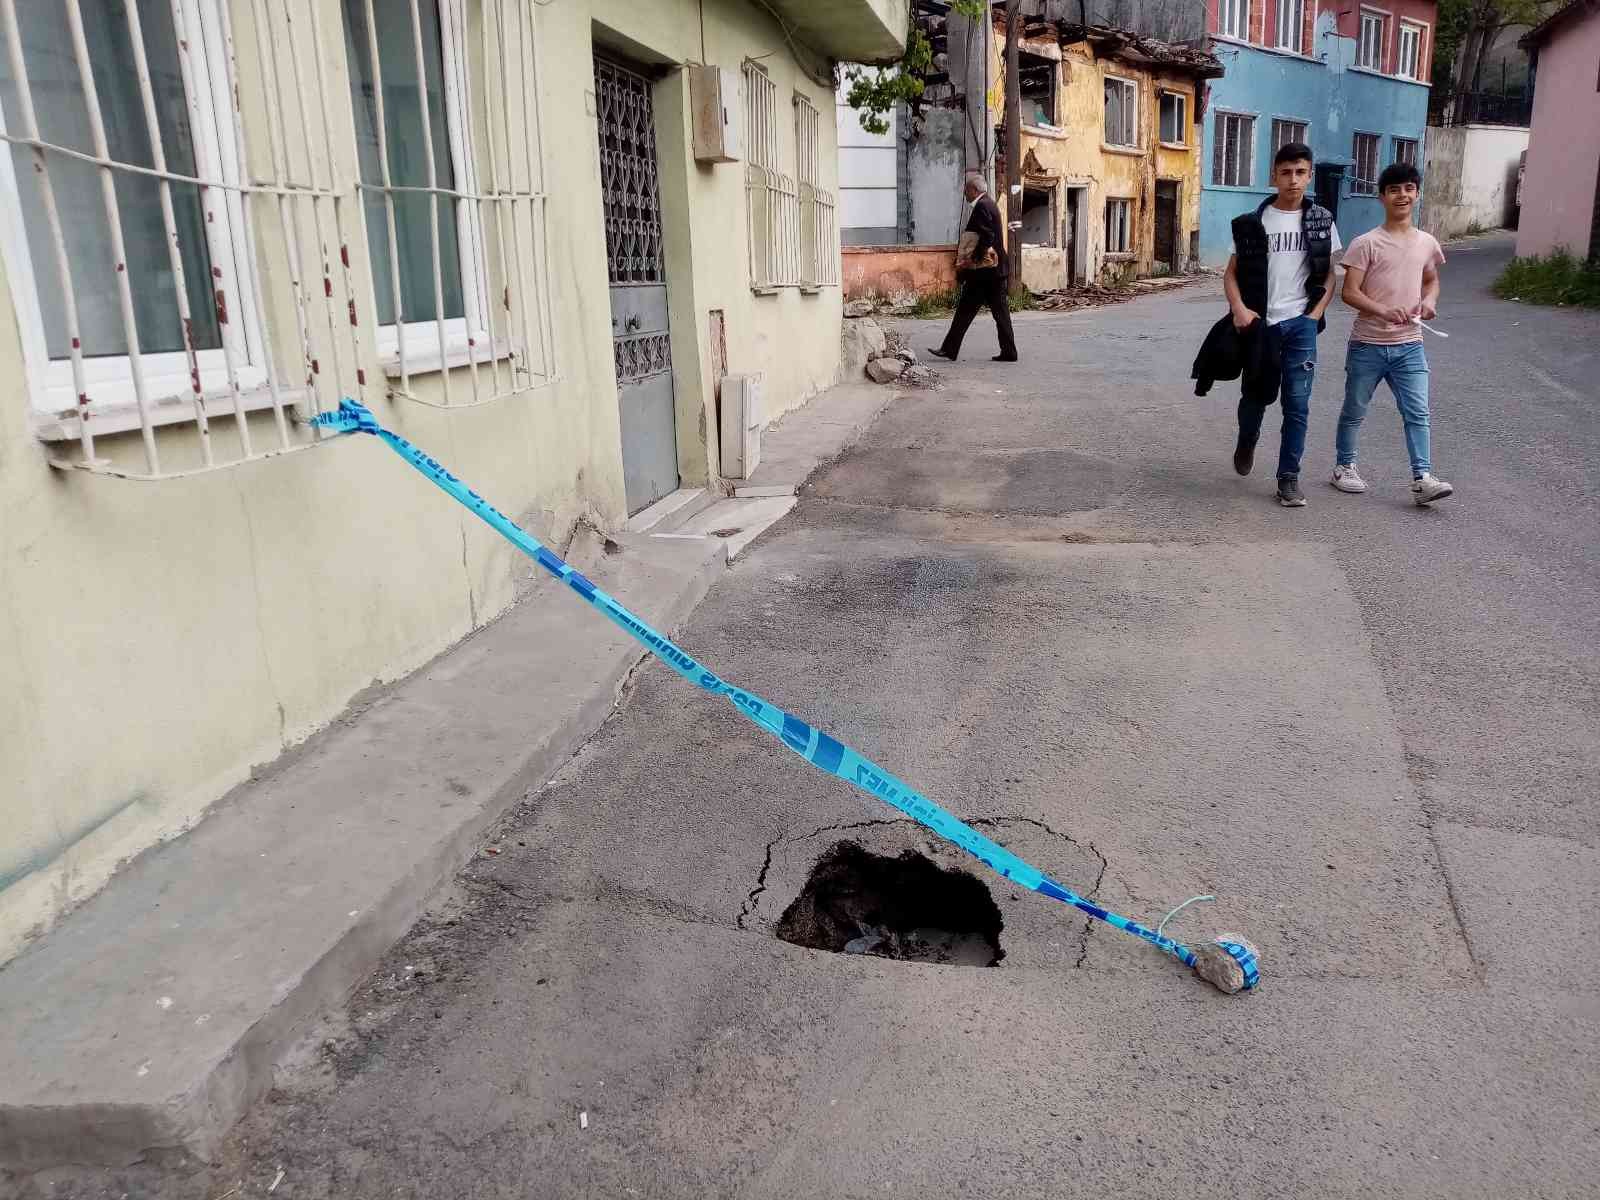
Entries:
{"x":1111,"y":148}
{"x":1110,"y":154}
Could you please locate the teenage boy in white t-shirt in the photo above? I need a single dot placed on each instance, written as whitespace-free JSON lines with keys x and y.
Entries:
{"x":1278,"y":286}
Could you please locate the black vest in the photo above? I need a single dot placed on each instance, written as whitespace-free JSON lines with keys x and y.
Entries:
{"x":1250,"y":248}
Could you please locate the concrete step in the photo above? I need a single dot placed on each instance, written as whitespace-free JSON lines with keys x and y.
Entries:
{"x":677,"y":505}
{"x":734,"y":523}
{"x":152,"y":1017}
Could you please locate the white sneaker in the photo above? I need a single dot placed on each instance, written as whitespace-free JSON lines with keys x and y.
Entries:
{"x":1348,"y":479}
{"x":1428,"y":489}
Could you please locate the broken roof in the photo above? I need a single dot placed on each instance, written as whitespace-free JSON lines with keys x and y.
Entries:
{"x":1128,"y":46}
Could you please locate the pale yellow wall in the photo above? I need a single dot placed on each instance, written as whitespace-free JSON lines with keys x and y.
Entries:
{"x":158,"y":639}
{"x":1075,"y":153}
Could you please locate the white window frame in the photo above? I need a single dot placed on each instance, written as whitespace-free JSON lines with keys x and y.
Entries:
{"x":1247,"y":144}
{"x":1396,"y":142}
{"x":1372,"y":48}
{"x":1119,"y":222}
{"x":108,"y":379}
{"x":1305,"y":130}
{"x":1292,"y":26}
{"x":1183,"y":117}
{"x":1417,"y":32}
{"x":1129,"y":86}
{"x":422,"y":337}
{"x":1365,"y":185}
{"x":1233,"y":19}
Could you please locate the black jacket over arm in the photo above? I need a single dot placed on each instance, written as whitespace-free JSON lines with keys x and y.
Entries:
{"x":986,"y":222}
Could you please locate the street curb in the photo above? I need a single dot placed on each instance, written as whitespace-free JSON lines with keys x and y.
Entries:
{"x":154,"y":1016}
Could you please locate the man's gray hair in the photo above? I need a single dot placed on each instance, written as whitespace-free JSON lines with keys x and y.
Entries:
{"x":976,"y":179}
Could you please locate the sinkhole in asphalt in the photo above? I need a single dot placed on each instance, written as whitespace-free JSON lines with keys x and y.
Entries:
{"x":907,"y":908}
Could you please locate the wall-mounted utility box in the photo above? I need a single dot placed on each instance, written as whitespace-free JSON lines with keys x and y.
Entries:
{"x":714,"y":103}
{"x":741,"y":425}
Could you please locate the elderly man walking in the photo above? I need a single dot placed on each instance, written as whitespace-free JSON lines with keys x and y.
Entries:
{"x":985,"y":273}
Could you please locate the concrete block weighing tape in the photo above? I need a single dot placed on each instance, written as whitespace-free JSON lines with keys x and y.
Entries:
{"x":1228,"y":961}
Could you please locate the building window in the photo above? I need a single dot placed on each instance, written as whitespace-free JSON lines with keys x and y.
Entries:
{"x":1286,"y":131}
{"x":1410,"y":56}
{"x":1233,"y":19}
{"x":1119,"y":226}
{"x":819,"y":234}
{"x":1405,"y":151}
{"x":1037,"y":76}
{"x":122,"y":274}
{"x":1291,"y":25}
{"x":1122,"y":112}
{"x":412,"y":167}
{"x":1232,"y":152}
{"x":1039,"y":225}
{"x":1364,"y":180}
{"x":1175,"y":118}
{"x":1374,"y":33}
{"x":772,"y":202}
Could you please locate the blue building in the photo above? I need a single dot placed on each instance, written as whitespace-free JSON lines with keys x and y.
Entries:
{"x":1352,"y":82}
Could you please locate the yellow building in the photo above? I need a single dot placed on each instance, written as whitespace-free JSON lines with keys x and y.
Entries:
{"x":1110,"y":153}
{"x":497,"y":222}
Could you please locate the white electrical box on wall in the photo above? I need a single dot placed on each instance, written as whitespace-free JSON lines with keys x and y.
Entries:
{"x":741,"y":425}
{"x":714,"y":103}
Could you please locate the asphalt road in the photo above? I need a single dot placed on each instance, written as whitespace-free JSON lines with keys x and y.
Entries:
{"x":1041,"y":595}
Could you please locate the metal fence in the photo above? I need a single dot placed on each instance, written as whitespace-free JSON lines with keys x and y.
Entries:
{"x":258,"y":218}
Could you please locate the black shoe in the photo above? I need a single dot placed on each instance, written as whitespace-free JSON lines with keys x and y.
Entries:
{"x":1244,"y":458}
{"x":1004,"y":358}
{"x":1289,"y":493}
{"x":938,"y":352}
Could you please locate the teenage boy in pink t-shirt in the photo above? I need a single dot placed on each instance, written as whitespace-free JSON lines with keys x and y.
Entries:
{"x":1392,"y":280}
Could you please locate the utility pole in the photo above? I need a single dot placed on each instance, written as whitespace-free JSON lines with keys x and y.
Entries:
{"x":1014,"y":139}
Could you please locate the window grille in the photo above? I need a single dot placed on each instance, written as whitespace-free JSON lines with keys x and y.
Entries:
{"x":819,"y":237}
{"x":164,"y":268}
{"x":772,"y":201}
{"x":1286,"y":131}
{"x":1364,"y":181}
{"x":1405,"y":151}
{"x":1233,"y":150}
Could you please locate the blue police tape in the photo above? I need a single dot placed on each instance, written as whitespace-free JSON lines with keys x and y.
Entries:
{"x":815,"y":746}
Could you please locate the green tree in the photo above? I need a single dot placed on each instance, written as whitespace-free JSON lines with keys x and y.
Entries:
{"x":874,"y":92}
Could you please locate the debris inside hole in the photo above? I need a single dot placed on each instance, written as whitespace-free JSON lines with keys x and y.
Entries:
{"x":907,"y":908}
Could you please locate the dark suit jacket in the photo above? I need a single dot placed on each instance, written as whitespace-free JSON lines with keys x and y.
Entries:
{"x":990,"y":227}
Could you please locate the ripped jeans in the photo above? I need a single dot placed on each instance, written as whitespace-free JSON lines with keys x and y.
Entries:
{"x":1292,"y":343}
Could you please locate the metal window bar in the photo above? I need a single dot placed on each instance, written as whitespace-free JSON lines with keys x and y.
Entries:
{"x":818,"y":249}
{"x":772,"y":197}
{"x":234,"y":199}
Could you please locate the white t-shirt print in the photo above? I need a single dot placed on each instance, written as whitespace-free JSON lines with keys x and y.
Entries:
{"x":1288,"y":269}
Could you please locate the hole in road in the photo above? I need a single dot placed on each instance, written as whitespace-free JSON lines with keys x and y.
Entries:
{"x":907,"y":908}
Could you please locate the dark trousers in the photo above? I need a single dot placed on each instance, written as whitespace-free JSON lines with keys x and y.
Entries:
{"x":981,"y":289}
{"x":1292,"y":358}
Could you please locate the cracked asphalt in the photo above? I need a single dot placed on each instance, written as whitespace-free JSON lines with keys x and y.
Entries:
{"x":1040,"y":595}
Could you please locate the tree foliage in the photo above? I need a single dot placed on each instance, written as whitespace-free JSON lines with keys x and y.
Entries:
{"x":874,"y":92}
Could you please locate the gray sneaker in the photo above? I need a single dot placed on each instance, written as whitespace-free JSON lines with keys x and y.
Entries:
{"x":1427,"y":489}
{"x":1348,"y":479}
{"x":1289,"y":493}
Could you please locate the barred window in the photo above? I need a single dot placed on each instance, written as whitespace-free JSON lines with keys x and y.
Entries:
{"x":819,"y":235}
{"x":1233,"y":150}
{"x":1364,"y":179}
{"x":772,"y":202}
{"x":1286,"y":130}
{"x":1405,"y":151}
{"x":164,"y":266}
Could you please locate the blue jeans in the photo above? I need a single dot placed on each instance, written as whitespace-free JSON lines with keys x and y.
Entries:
{"x":1294,"y":343}
{"x":1405,"y":368}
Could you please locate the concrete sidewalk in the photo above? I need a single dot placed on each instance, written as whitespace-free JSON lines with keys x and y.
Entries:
{"x":153,"y":1016}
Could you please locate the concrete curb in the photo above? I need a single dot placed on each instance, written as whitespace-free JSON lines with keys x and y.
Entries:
{"x":154,"y":1015}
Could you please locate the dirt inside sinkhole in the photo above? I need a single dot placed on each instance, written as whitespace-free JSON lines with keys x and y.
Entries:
{"x":907,"y":908}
